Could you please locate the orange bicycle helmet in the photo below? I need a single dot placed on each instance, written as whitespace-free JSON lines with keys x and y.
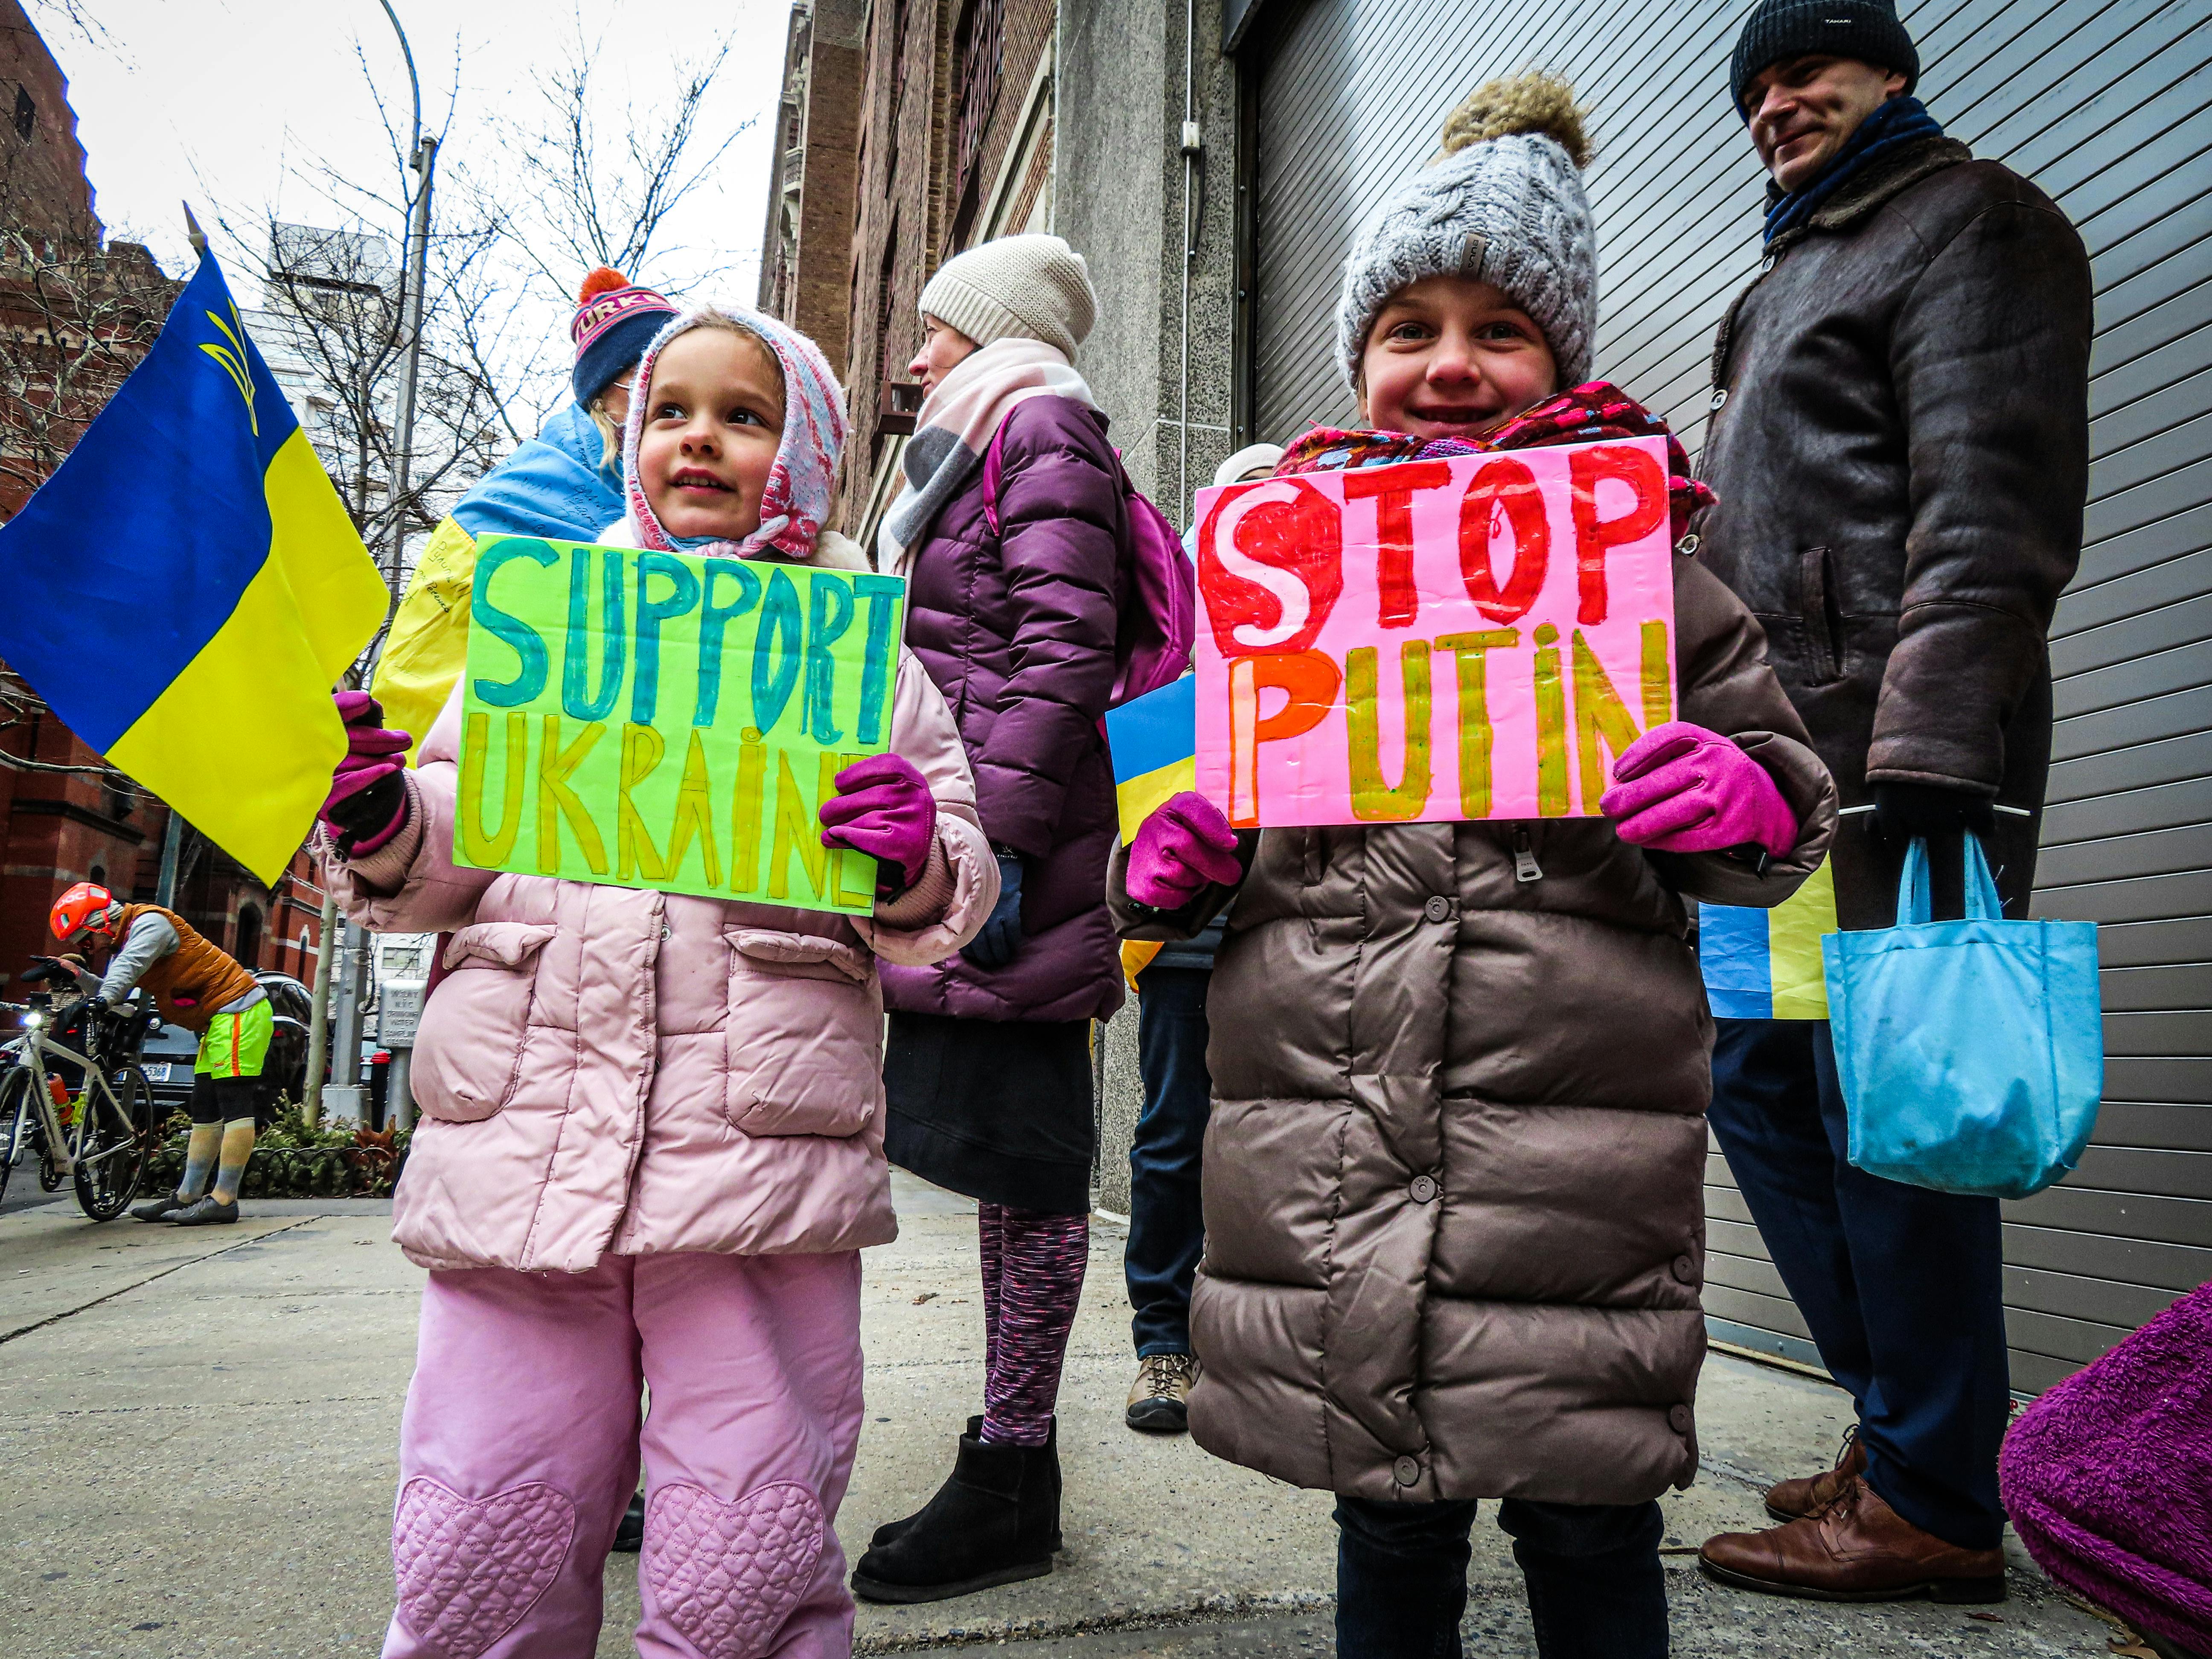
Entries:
{"x":85,"y":906}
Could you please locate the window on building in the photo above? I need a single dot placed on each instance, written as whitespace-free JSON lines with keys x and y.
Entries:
{"x":978,"y":45}
{"x":898,"y":90}
{"x":886,"y":279}
{"x":26,"y":113}
{"x":249,"y":937}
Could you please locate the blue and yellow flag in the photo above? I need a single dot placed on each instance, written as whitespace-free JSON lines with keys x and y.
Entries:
{"x":1765,"y":964}
{"x":186,"y":588}
{"x":1153,"y":740}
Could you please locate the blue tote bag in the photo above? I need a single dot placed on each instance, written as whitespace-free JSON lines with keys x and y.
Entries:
{"x":1971,"y":1054}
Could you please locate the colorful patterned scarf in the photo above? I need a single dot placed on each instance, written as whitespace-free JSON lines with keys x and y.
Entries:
{"x":1589,"y":412}
{"x":797,"y":498}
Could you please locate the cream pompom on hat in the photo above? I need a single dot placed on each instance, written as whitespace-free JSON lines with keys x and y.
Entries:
{"x":1030,"y":288}
{"x":1502,"y":204}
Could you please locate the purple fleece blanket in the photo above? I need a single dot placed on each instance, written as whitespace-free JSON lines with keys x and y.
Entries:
{"x":2108,"y":1477}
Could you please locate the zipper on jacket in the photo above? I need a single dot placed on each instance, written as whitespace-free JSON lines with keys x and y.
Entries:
{"x":1525,"y":867}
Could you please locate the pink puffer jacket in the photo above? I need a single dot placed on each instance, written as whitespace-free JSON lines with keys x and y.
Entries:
{"x":611,"y":1070}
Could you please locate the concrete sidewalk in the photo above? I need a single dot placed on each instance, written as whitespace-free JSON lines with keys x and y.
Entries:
{"x":197,"y":1457}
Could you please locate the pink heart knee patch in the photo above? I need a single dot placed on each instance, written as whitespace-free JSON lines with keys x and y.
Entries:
{"x":471,"y":1567}
{"x":727,"y":1575}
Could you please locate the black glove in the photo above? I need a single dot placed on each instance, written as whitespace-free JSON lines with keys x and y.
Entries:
{"x":1904,"y":811}
{"x":368,"y":812}
{"x":1002,"y":936}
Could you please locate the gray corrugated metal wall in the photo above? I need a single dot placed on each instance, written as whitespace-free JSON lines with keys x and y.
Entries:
{"x":2109,"y":108}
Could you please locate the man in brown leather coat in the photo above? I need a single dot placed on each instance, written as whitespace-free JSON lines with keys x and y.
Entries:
{"x":1899,"y":443}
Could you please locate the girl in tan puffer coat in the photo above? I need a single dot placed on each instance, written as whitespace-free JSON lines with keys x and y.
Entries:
{"x":653,"y":1131}
{"x":1454,"y":1231}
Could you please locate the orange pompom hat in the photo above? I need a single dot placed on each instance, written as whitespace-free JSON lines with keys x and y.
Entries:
{"x":615,"y":321}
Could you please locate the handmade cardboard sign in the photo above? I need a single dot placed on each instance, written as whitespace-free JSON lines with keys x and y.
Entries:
{"x":664,"y":721}
{"x":1476,"y":637}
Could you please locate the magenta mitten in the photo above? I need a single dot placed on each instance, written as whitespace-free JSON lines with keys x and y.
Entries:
{"x":1679,"y":788}
{"x":883,"y":807}
{"x":1184,"y":845}
{"x":367,"y":802}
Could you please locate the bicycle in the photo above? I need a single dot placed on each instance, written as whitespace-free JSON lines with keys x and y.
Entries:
{"x":103,"y":1134}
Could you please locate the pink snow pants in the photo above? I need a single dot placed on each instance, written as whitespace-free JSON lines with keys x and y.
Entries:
{"x":519,"y":1452}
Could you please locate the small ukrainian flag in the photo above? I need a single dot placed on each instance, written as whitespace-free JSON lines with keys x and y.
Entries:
{"x":1153,"y":740}
{"x":1765,"y":964}
{"x":186,"y":588}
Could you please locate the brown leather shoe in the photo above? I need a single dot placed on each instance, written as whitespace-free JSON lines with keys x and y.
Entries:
{"x":1856,"y":1549}
{"x":1793,"y":1500}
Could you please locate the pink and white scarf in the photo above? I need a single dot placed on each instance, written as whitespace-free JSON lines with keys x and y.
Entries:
{"x":798,"y":495}
{"x":955,"y":429}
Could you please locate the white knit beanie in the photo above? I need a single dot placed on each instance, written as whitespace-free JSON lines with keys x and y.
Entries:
{"x":1503,"y":204}
{"x":1027,"y":288}
{"x":1253,"y":458}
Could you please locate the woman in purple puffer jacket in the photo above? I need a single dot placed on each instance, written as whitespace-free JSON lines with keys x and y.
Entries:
{"x":1015,"y":541}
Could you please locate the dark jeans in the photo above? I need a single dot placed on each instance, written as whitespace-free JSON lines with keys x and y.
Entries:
{"x":1902,"y":1287}
{"x":1167,"y":1229}
{"x":1595,"y":1588}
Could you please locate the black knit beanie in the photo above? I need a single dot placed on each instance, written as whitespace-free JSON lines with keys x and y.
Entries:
{"x":1865,"y":29}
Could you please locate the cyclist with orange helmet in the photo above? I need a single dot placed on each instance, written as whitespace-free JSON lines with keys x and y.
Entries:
{"x":201,"y":987}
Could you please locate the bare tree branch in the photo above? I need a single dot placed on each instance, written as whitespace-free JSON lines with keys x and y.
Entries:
{"x":574,"y":200}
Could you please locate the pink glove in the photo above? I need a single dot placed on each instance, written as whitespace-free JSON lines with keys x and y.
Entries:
{"x":367,"y":802}
{"x":883,"y":807}
{"x":1679,"y":788}
{"x":1185,"y":844}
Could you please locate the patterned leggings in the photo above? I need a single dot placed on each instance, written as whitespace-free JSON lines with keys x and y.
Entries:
{"x":1032,"y":1279}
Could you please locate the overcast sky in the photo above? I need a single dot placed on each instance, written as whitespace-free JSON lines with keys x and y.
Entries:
{"x":230,"y":101}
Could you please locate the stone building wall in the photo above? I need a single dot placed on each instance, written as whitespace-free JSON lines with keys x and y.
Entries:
{"x":1119,"y":191}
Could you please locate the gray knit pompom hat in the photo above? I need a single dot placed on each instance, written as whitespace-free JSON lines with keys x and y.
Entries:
{"x":1502,"y":202}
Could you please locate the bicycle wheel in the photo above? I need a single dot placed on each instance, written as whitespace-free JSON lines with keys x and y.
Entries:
{"x":113,"y":1153}
{"x":15,"y":1122}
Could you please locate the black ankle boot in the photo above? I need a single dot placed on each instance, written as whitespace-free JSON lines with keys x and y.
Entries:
{"x":890,"y":1529}
{"x":629,"y":1531}
{"x":977,"y":1532}
{"x":1040,"y":1486}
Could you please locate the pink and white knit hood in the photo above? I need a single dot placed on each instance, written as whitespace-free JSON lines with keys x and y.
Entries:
{"x":798,"y":495}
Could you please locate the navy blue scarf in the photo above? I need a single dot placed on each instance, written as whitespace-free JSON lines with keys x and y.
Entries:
{"x":1899,"y":122}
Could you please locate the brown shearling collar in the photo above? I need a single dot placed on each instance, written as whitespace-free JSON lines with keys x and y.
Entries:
{"x":1874,"y":185}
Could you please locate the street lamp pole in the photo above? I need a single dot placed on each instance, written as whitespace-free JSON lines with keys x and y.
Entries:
{"x":422,"y":159}
{"x":345,"y":950}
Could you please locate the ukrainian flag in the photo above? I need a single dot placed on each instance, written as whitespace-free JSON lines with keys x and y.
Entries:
{"x":186,"y":588}
{"x":1153,"y":740}
{"x":1765,"y":964}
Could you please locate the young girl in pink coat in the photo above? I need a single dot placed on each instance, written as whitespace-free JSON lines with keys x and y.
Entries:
{"x":650,"y":1146}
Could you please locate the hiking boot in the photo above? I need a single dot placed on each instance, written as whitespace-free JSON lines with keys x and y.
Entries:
{"x":995,"y":1520}
{"x":206,"y":1211}
{"x":1856,"y":1549}
{"x":163,"y":1209}
{"x":1793,"y":1500}
{"x":629,"y":1531}
{"x":1159,"y":1400}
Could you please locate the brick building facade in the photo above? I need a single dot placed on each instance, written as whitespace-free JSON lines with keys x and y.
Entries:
{"x":806,"y":250}
{"x":918,"y":128}
{"x":65,"y":816}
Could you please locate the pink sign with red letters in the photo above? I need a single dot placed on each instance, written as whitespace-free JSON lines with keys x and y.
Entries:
{"x":1476,"y":637}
